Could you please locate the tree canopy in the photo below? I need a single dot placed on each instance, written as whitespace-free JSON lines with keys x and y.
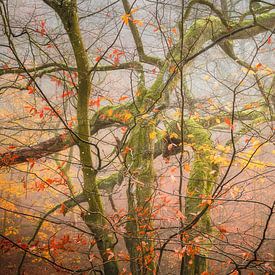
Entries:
{"x":137,"y":137}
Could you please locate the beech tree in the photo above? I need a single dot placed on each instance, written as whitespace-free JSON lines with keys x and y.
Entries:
{"x":146,"y":120}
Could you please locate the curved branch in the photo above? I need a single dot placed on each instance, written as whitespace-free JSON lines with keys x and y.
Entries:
{"x":136,"y":36}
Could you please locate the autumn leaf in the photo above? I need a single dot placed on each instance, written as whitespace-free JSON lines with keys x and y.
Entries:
{"x":62,"y":209}
{"x":222,"y":229}
{"x":123,"y":98}
{"x":123,"y":129}
{"x":110,"y":112}
{"x":169,"y":41}
{"x":269,"y":40}
{"x":98,"y":58}
{"x":31,"y":162}
{"x":126,"y":150}
{"x":31,"y":90}
{"x":67,"y":93}
{"x":126,"y":116}
{"x":174,"y":30}
{"x":173,"y":169}
{"x":138,"y":22}
{"x":259,"y":66}
{"x":65,"y":239}
{"x":110,"y":254}
{"x":179,"y":215}
{"x":95,"y":102}
{"x":228,"y":122}
{"x":186,"y":167}
{"x":125,"y":18}
{"x":174,"y":135}
{"x":152,"y":135}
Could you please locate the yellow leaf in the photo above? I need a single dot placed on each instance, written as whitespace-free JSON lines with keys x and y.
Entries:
{"x":127,"y":116}
{"x":110,"y":112}
{"x":174,"y":135}
{"x":152,"y":135}
{"x":218,"y":120}
{"x":206,"y":77}
{"x":125,"y":18}
{"x":163,"y":133}
{"x":177,"y":114}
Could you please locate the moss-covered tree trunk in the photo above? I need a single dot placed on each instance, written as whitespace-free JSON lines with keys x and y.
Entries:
{"x":94,"y":218}
{"x":199,"y":189}
{"x":139,"y":235}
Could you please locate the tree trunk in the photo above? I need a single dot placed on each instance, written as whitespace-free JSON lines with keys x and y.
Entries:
{"x":139,"y":237}
{"x":94,"y":218}
{"x":199,"y":190}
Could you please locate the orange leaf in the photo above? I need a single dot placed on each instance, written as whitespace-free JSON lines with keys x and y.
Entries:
{"x":123,"y":98}
{"x":187,"y":167}
{"x":31,"y":90}
{"x":127,"y":150}
{"x":62,"y":209}
{"x":222,"y":229}
{"x":125,"y":18}
{"x":259,"y":65}
{"x":174,"y":30}
{"x":134,"y":10}
{"x":173,"y":169}
{"x":138,"y":22}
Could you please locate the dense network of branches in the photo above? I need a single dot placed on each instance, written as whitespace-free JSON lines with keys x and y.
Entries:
{"x":136,"y":136}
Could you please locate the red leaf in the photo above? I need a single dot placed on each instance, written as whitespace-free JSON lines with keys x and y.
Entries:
{"x":65,"y":239}
{"x":123,"y":129}
{"x":98,"y":58}
{"x":228,"y":122}
{"x":31,"y":162}
{"x":24,"y":246}
{"x":31,"y":90}
{"x":95,"y":102}
{"x":222,"y":229}
{"x":269,"y":40}
{"x":42,"y":23}
{"x":62,"y":209}
{"x":67,"y":93}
